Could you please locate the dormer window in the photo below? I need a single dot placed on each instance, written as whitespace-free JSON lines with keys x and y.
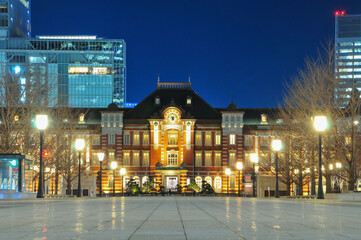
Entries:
{"x":263,"y":118}
{"x":82,"y":118}
{"x":157,"y":100}
{"x":189,"y":100}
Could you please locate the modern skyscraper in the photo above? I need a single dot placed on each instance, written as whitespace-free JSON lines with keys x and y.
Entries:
{"x":15,"y":18}
{"x":348,"y":52}
{"x":85,"y":71}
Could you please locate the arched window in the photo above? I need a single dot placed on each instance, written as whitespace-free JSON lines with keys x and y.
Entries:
{"x":199,"y":181}
{"x":209,"y":180}
{"x":144,"y":180}
{"x":232,"y":181}
{"x":218,"y":183}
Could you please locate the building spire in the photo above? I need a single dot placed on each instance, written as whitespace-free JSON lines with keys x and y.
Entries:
{"x":189,"y":79}
{"x":158,"y":78}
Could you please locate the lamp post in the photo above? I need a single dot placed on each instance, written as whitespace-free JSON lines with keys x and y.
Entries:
{"x":114,"y":166}
{"x":79,"y":145}
{"x":277,"y":145}
{"x":338,"y":166}
{"x":239,"y":167}
{"x":320,"y":124}
{"x":101,"y":158}
{"x":122,"y":173}
{"x":41,"y":124}
{"x":254,"y":160}
{"x":228,"y":172}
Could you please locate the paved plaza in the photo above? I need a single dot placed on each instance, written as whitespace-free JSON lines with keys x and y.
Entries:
{"x":179,"y":218}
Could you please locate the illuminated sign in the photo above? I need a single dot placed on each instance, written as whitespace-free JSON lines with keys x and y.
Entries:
{"x":78,"y":70}
{"x":100,"y":70}
{"x":90,"y":70}
{"x":14,"y":163}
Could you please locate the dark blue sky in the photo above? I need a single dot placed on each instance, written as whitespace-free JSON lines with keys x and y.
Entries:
{"x":247,"y":47}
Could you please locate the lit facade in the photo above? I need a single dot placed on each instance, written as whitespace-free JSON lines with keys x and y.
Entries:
{"x":15,"y":18}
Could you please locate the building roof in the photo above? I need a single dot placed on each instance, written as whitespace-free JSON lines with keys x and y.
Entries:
{"x":176,"y":94}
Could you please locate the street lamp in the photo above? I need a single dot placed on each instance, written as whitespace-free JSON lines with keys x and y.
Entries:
{"x":239,"y":167}
{"x":101,"y":158}
{"x":79,"y":145}
{"x":41,"y":124}
{"x":320,"y":124}
{"x":122,"y":173}
{"x":228,"y":172}
{"x":277,"y":145}
{"x":254,"y":160}
{"x":114,"y":166}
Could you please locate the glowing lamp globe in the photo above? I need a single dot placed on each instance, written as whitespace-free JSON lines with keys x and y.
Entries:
{"x":79,"y":144}
{"x":41,"y":122}
{"x":113,"y":165}
{"x":239,"y":165}
{"x":122,"y":171}
{"x":100,"y":156}
{"x":277,"y":145}
{"x":320,"y":123}
{"x":228,"y":171}
{"x":254,"y":157}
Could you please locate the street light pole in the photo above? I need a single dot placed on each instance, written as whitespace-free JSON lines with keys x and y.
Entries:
{"x":228,"y":172}
{"x":40,"y":193}
{"x":254,"y":159}
{"x":239,"y":167}
{"x":114,"y":166}
{"x":79,"y":145}
{"x":277,"y":145}
{"x":122,"y":173}
{"x":101,"y":158}
{"x":41,"y":124}
{"x":320,"y":124}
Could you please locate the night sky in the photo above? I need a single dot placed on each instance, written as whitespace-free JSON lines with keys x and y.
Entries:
{"x":249,"y":48}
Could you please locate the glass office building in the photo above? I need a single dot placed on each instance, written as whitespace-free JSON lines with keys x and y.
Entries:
{"x":88,"y":71}
{"x":84,"y":71}
{"x":348,"y":52}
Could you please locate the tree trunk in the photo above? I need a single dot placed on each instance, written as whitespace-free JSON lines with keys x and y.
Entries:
{"x":300,"y":184}
{"x":288,"y":190}
{"x":351,"y":181}
{"x":328,"y":184}
{"x":56,"y":181}
{"x":68,"y":187}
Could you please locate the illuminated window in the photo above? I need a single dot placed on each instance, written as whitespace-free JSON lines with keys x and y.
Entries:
{"x":172,"y":159}
{"x":81,"y":118}
{"x":16,"y":118}
{"x":78,"y":70}
{"x":348,"y":141}
{"x":126,"y":138}
{"x":264,"y":140}
{"x":189,"y":100}
{"x":172,"y":139}
{"x":232,"y":159}
{"x":111,"y":139}
{"x":199,"y":139}
{"x":198,"y":159}
{"x":248,"y":140}
{"x":146,"y":159}
{"x":208,"y":180}
{"x":208,"y":139}
{"x":145,"y":139}
{"x":111,"y":157}
{"x":217,"y":159}
{"x":157,"y":101}
{"x":218,"y":183}
{"x":232,"y":139}
{"x":199,"y":181}
{"x":208,"y":159}
{"x":136,"y":139}
{"x":126,"y":158}
{"x":95,"y":140}
{"x":218,"y":139}
{"x":263,"y":118}
{"x":135,"y":158}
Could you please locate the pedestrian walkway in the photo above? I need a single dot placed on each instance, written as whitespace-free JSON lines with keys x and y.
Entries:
{"x":178,"y":218}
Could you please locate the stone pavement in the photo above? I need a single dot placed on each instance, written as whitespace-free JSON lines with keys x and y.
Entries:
{"x":179,"y":218}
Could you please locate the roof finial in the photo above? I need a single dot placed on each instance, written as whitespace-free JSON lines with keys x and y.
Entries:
{"x":189,"y":79}
{"x":158,"y":78}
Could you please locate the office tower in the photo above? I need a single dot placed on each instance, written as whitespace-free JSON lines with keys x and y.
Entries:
{"x":15,"y":18}
{"x":348,"y":53}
